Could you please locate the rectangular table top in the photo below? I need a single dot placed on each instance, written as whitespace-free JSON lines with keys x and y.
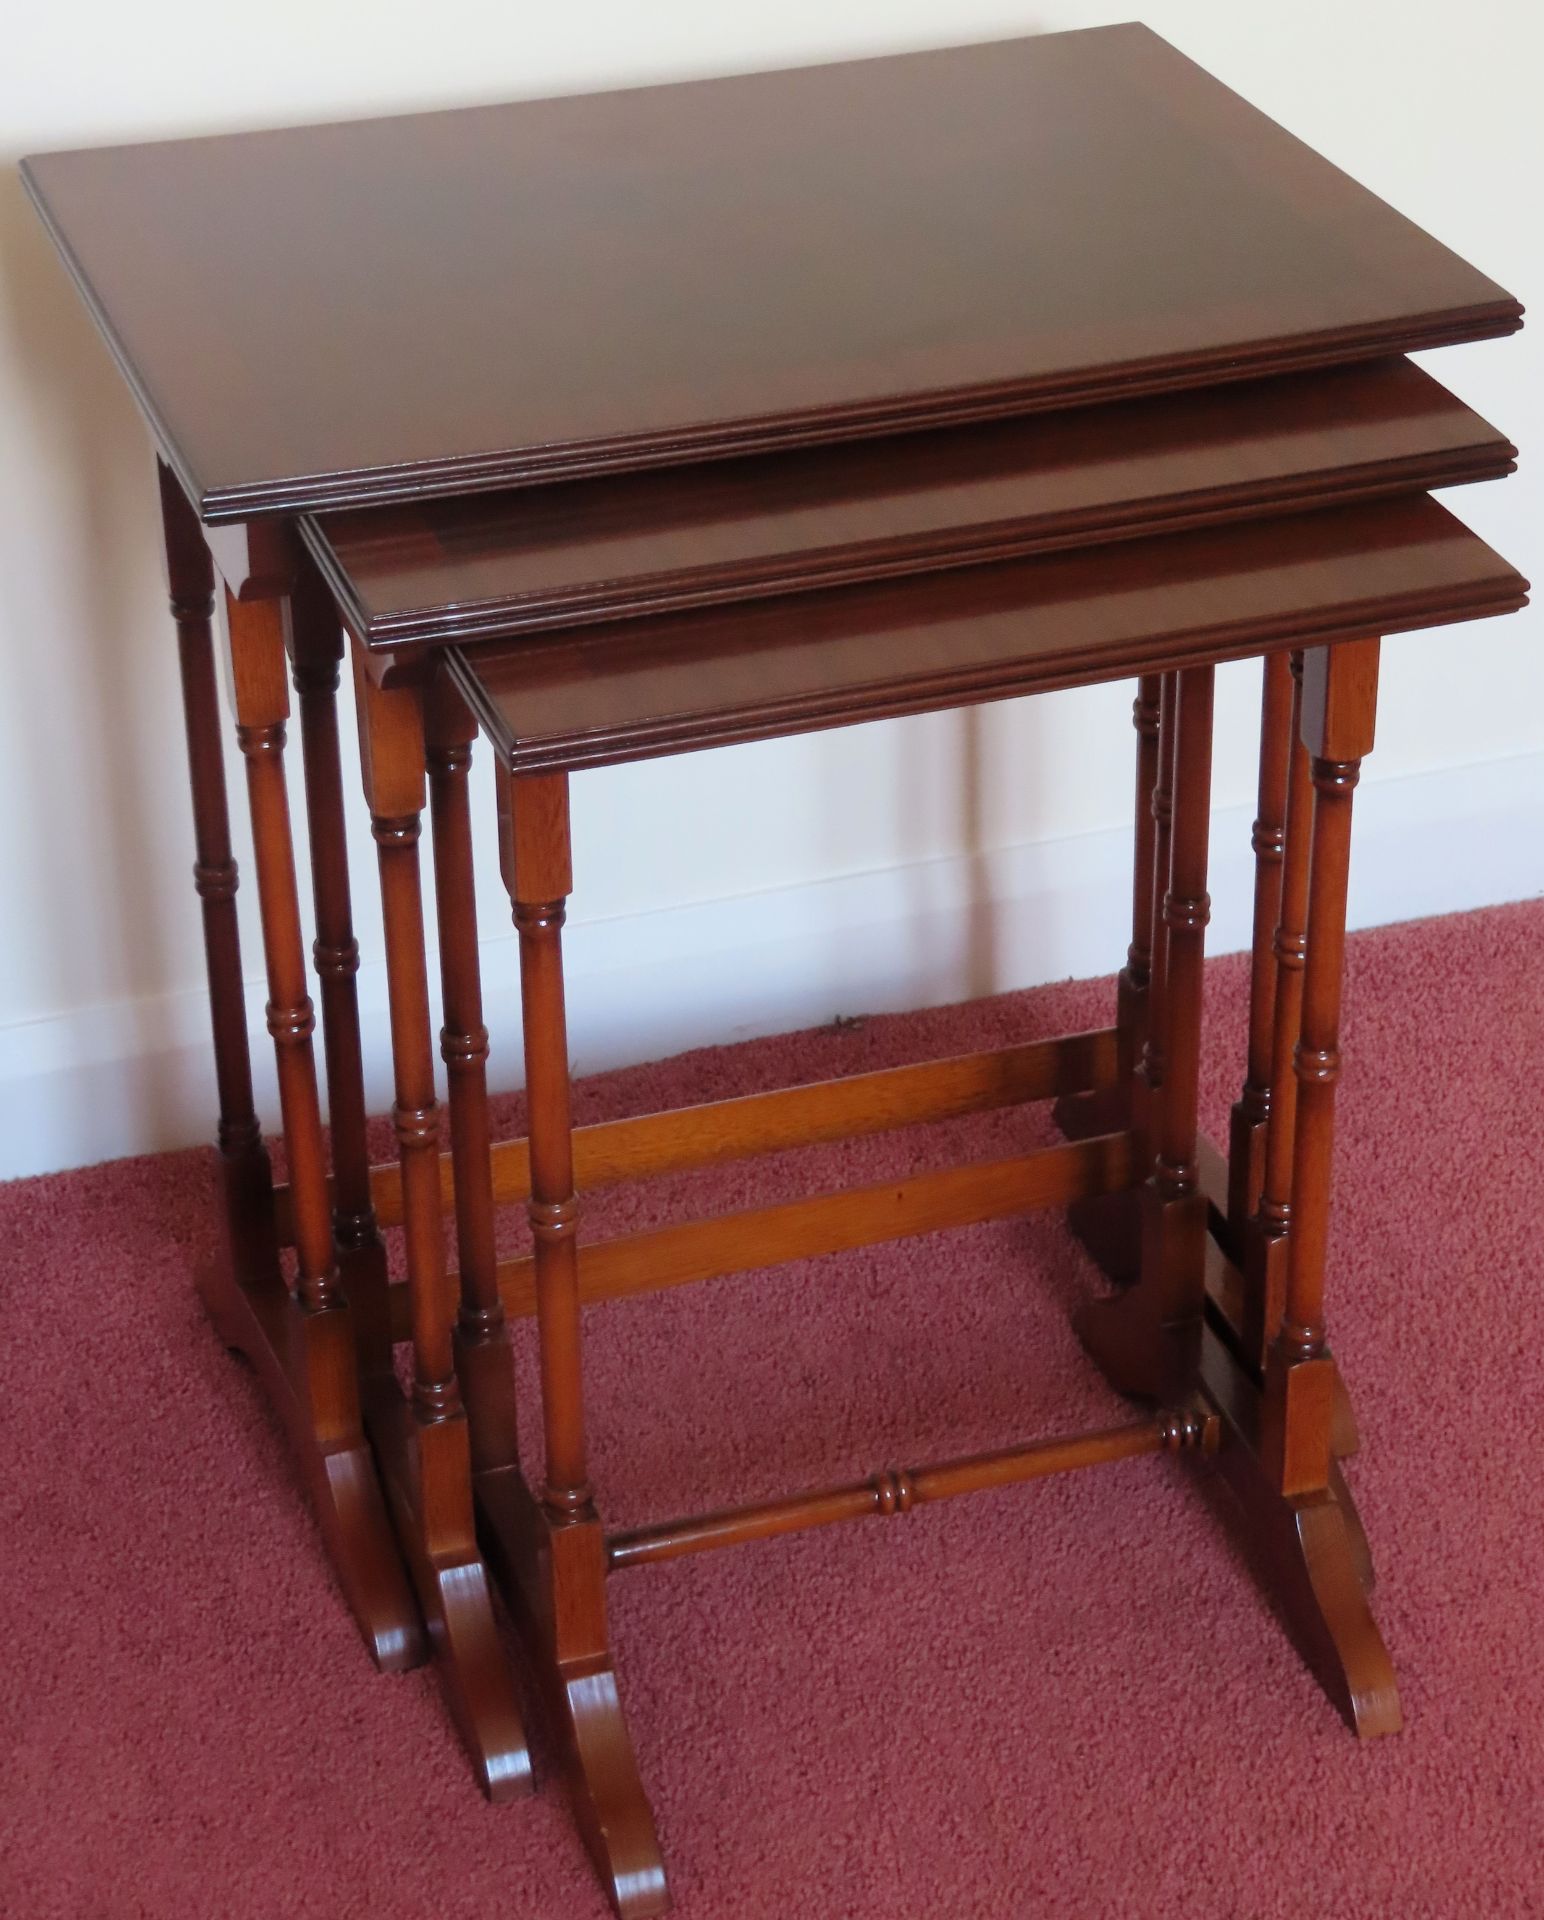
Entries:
{"x":485,"y":566}
{"x":629,"y":690}
{"x":404,"y":307}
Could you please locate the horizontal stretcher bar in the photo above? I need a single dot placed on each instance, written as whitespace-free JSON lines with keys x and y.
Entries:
{"x":828,"y":1223}
{"x":897,"y":1490}
{"x":611,"y":1151}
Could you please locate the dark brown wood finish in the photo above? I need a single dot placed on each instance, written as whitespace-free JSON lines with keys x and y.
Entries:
{"x":448,"y":301}
{"x":498,"y":564}
{"x":665,"y":685}
{"x":423,"y":1445}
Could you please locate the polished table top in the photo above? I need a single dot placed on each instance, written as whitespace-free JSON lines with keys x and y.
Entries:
{"x":629,"y":690}
{"x":424,"y":573}
{"x":401,"y":310}
{"x":433,"y":303}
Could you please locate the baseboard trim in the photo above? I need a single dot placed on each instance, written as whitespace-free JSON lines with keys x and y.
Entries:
{"x":99,"y":1082}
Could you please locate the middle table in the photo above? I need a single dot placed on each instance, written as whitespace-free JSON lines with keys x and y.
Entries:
{"x":1224,"y":1326}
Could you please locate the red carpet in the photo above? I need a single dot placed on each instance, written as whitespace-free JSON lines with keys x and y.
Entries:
{"x":1058,"y":1700}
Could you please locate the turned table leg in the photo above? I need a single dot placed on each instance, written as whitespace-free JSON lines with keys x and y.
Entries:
{"x":304,"y":1346}
{"x":1251,"y":1111}
{"x":316,"y":646}
{"x":1338,"y":707}
{"x":553,"y":1552}
{"x":1262,"y":1247}
{"x":1150,"y":1062}
{"x":245,"y":1175}
{"x":484,"y":1364}
{"x":424,"y":1447}
{"x":1133,"y":988}
{"x":1279,"y":1439}
{"x":1147,"y":1340}
{"x":1265,"y":1236}
{"x":1109,"y":1227}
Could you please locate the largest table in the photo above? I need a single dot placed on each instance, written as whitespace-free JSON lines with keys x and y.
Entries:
{"x":633,"y":284}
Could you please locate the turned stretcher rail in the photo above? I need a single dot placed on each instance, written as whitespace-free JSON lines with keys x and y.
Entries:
{"x":611,"y":1151}
{"x":898,"y":1490}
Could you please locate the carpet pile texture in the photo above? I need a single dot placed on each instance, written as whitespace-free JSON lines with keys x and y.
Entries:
{"x":1061,"y":1700}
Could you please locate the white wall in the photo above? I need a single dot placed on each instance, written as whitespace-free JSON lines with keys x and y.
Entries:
{"x":729,"y":892}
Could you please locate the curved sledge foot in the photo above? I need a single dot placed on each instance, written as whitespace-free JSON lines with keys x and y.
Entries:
{"x":426,"y":1470}
{"x":581,"y":1710}
{"x":474,"y":1674}
{"x":1361,"y":1551}
{"x":358,"y":1532}
{"x":300,"y":1358}
{"x":1352,"y":1660}
{"x":609,"y":1802}
{"x":1313,"y":1555}
{"x":1345,"y":1439}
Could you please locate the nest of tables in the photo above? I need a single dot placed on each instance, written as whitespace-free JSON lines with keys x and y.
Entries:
{"x":690,"y":416}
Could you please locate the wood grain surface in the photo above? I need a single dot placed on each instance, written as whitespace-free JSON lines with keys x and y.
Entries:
{"x":483,"y":566}
{"x":664,"y":685}
{"x":427,"y":304}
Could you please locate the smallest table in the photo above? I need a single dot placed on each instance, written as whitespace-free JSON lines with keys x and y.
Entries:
{"x":1226,"y":1338}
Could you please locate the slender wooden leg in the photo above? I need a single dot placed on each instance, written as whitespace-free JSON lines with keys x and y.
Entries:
{"x":245,"y":1175}
{"x":552,"y":1554}
{"x":316,"y":645}
{"x":1280,"y":1450}
{"x":1110,"y":1227}
{"x":1132,"y":989}
{"x":1148,"y":1078}
{"x":1082,"y":1115}
{"x":1265,"y":1237}
{"x":425,"y":1450}
{"x":1251,"y":1111}
{"x":1148,"y":1340}
{"x":483,"y":1361}
{"x":302,"y":1345}
{"x":1262,"y":1248}
{"x":1339,"y":702}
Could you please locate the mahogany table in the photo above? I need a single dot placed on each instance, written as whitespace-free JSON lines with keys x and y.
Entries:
{"x":1247,"y":1371}
{"x":704,"y":413}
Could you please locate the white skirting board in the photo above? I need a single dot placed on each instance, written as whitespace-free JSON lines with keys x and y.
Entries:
{"x":135,"y":1076}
